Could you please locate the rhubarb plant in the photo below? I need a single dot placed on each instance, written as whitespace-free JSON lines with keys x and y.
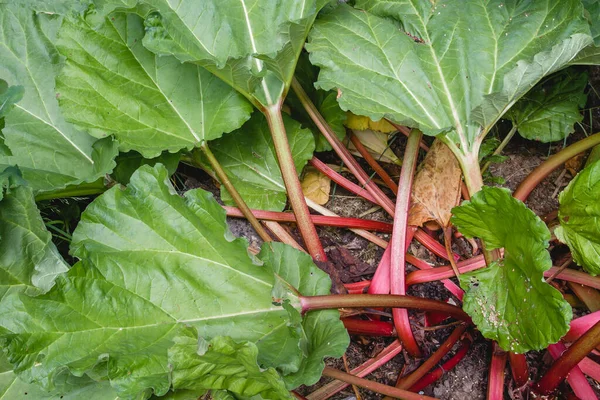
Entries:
{"x":452,"y":70}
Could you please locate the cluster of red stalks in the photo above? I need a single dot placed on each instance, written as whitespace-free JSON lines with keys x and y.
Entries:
{"x":574,"y":355}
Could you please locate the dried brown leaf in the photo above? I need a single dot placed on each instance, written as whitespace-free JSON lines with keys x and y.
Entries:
{"x":316,"y":186}
{"x":436,"y":187}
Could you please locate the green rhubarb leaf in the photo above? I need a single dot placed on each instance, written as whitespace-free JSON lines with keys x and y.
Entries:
{"x":50,"y":152}
{"x":128,"y":163}
{"x":73,"y":388}
{"x":248,"y":157}
{"x":325,"y":333}
{"x":112,"y":85}
{"x":591,"y":54}
{"x":10,"y":179}
{"x":579,"y":217}
{"x":509,"y":301}
{"x":153,"y":264}
{"x":223,"y":364}
{"x":550,"y":110}
{"x":253,"y":45}
{"x":452,"y":67}
{"x":54,"y":6}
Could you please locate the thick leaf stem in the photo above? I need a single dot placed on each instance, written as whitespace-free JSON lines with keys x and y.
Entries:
{"x":84,"y":189}
{"x":496,"y":374}
{"x":328,"y":390}
{"x":341,"y":150}
{"x":447,"y":366}
{"x":569,"y":359}
{"x":368,"y":328}
{"x":321,"y":220}
{"x":398,"y":241}
{"x":235,"y":195}
{"x":544,"y":169}
{"x":519,"y":369}
{"x":406,"y":382}
{"x":292,"y":183}
{"x":374,"y":386}
{"x":340,"y":180}
{"x":311,"y":303}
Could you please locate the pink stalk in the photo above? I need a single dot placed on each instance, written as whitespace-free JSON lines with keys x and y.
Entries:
{"x":590,"y":368}
{"x":496,"y":375}
{"x":519,"y":369}
{"x":340,"y":180}
{"x":326,"y":391}
{"x":357,"y":326}
{"x":398,"y":242}
{"x":437,"y":373}
{"x":575,"y":378}
{"x":581,"y":325}
{"x":282,"y":235}
{"x":320,"y":220}
{"x":445,"y":272}
{"x":341,"y":150}
{"x":380,"y":284}
{"x":433,"y":245}
{"x":568,"y":360}
{"x":357,"y":287}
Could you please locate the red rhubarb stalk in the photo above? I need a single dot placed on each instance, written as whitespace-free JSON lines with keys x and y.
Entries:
{"x":326,"y":391}
{"x":357,"y":326}
{"x":576,"y":379}
{"x":398,"y":242}
{"x":519,"y":369}
{"x":373,"y":163}
{"x":569,"y":359}
{"x":341,"y":150}
{"x":590,"y":368}
{"x":437,"y":373}
{"x":342,"y":222}
{"x":373,"y":386}
{"x":496,"y":375}
{"x":580,"y":325}
{"x":380,"y":284}
{"x":340,"y":180}
{"x":433,"y":245}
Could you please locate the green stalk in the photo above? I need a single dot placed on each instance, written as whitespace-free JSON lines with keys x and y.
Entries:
{"x":84,"y":189}
{"x":544,"y":169}
{"x":235,"y":195}
{"x":505,"y":141}
{"x":568,"y":360}
{"x":292,"y":183}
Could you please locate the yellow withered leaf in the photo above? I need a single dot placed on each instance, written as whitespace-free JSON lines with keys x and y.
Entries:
{"x":316,"y":186}
{"x":436,"y":187}
{"x":362,"y":123}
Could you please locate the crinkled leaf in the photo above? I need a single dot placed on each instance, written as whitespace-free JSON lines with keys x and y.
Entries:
{"x":29,"y":261}
{"x":550,"y":110}
{"x":112,"y":85}
{"x":325,"y":333}
{"x":10,"y":179}
{"x":591,"y":54}
{"x":50,"y":152}
{"x":12,"y":387}
{"x":8,"y":97}
{"x":128,"y":163}
{"x":509,"y":301}
{"x":248,"y":157}
{"x":253,"y":44}
{"x":223,"y":364}
{"x":51,"y":6}
{"x":152,"y":262}
{"x":316,"y":186}
{"x":452,"y":67}
{"x":579,"y":216}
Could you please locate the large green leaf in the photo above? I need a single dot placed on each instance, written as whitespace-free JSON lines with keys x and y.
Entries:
{"x":549,"y":111}
{"x":579,"y":216}
{"x":591,"y":54}
{"x":128,"y":163}
{"x":11,"y":387}
{"x":223,"y":364}
{"x":249,"y":159}
{"x":251,"y":44}
{"x":509,"y":301}
{"x":112,"y":85}
{"x":50,"y":152}
{"x":453,"y":67}
{"x":152,"y":264}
